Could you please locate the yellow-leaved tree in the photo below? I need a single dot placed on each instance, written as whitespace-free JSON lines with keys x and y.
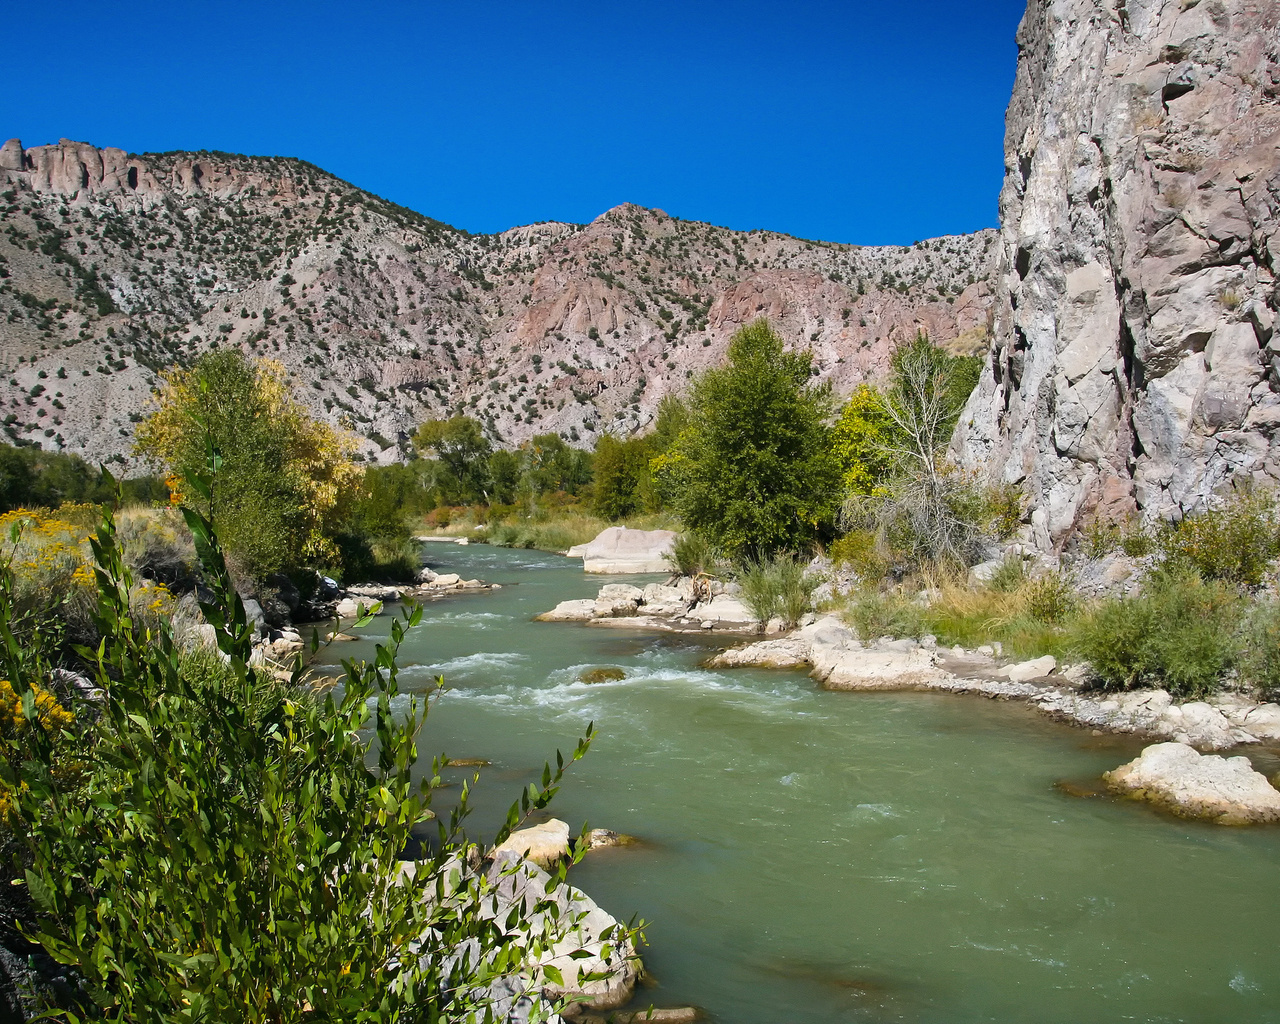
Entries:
{"x":276,"y":494}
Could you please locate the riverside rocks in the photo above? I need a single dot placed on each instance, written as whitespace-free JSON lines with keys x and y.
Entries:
{"x":1176,"y":777}
{"x":544,"y":844}
{"x":840,"y":661}
{"x":587,"y":944}
{"x":679,"y":606}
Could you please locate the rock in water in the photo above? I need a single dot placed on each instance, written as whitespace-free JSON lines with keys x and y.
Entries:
{"x":543,"y":844}
{"x":1134,"y":364}
{"x":1180,"y":779}
{"x":570,"y":611}
{"x":619,"y":550}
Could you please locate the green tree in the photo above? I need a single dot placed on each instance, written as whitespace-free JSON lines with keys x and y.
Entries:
{"x":459,"y":443}
{"x":622,"y":477}
{"x":753,"y":470}
{"x":861,"y":440}
{"x":282,"y":472}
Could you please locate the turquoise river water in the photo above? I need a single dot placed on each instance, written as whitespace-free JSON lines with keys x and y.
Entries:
{"x":827,"y":857}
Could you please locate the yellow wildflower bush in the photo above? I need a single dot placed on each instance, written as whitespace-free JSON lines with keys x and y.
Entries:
{"x":51,"y":715}
{"x":51,"y":556}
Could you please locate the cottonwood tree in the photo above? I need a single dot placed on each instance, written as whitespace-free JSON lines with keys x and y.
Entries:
{"x":753,"y":469}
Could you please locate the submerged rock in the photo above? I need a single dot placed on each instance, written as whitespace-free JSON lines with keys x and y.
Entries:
{"x":610,"y":674}
{"x":1180,"y":779}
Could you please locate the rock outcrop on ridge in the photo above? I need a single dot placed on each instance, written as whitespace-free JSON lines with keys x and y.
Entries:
{"x":1134,"y":366}
{"x":115,"y":266}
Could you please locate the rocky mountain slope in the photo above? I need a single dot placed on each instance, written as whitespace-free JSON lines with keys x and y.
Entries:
{"x":114,"y":267}
{"x":1134,"y":362}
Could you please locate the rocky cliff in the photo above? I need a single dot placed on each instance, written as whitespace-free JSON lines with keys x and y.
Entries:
{"x":115,"y":266}
{"x":1133,"y":366}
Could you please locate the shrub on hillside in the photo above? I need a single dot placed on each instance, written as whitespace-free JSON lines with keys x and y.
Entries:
{"x":1259,"y":641}
{"x":1178,"y":634}
{"x":863,"y":552}
{"x":1234,"y":543}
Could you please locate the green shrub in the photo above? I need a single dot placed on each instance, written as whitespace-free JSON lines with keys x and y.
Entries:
{"x":1234,"y":543}
{"x":759,"y":590}
{"x":1051,"y":598}
{"x":214,"y":844}
{"x":778,"y":587}
{"x":862,"y":552}
{"x":1259,"y":641}
{"x":693,"y":555}
{"x":873,"y":615}
{"x":1009,"y":575}
{"x":1178,"y":634}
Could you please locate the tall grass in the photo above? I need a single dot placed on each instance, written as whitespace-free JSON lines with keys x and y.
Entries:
{"x":558,"y":530}
{"x":777,"y":588}
{"x":693,"y":555}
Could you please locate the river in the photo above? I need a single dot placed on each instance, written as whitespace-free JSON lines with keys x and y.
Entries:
{"x":815,"y":857}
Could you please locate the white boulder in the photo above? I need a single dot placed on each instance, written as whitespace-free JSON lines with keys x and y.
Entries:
{"x":570,"y":611}
{"x":617,"y":600}
{"x":1033,"y":669}
{"x":1180,"y":779}
{"x":724,"y":610}
{"x":620,"y":550}
{"x":544,"y":844}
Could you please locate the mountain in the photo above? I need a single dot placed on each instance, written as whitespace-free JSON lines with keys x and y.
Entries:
{"x":1134,"y":365}
{"x":114,"y":267}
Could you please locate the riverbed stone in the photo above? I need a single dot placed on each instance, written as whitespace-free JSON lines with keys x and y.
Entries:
{"x":1033,"y":669}
{"x":875,"y":669}
{"x":616,"y":600}
{"x":545,"y":844}
{"x":724,"y":610}
{"x":1177,"y":777}
{"x":662,"y":600}
{"x":620,"y":550}
{"x":570,"y":611}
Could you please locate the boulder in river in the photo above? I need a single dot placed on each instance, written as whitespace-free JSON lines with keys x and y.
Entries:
{"x":570,"y":611}
{"x":620,"y":550}
{"x":544,"y":844}
{"x":1180,"y":779}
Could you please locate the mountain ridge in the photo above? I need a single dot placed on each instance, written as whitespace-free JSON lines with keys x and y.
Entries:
{"x":115,"y":266}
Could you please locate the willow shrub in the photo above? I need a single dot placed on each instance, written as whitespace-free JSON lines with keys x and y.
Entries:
{"x":1234,"y":543}
{"x":1179,"y":633}
{"x":215,"y":846}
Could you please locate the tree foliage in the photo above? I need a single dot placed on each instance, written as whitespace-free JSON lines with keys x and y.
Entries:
{"x":623,"y":483}
{"x":753,"y":470}
{"x":282,"y":473}
{"x":861,"y":441}
{"x":459,"y":443}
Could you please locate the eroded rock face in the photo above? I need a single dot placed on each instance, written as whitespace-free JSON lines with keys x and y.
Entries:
{"x":1133,"y":365}
{"x":1178,"y":778}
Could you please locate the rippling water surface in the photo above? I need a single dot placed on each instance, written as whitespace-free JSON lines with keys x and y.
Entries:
{"x":825,"y":857}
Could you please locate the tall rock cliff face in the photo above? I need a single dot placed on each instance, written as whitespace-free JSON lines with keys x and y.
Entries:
{"x":114,"y":267}
{"x":1134,"y":364}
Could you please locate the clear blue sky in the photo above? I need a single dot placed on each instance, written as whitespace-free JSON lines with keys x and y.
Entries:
{"x":846,"y":121}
